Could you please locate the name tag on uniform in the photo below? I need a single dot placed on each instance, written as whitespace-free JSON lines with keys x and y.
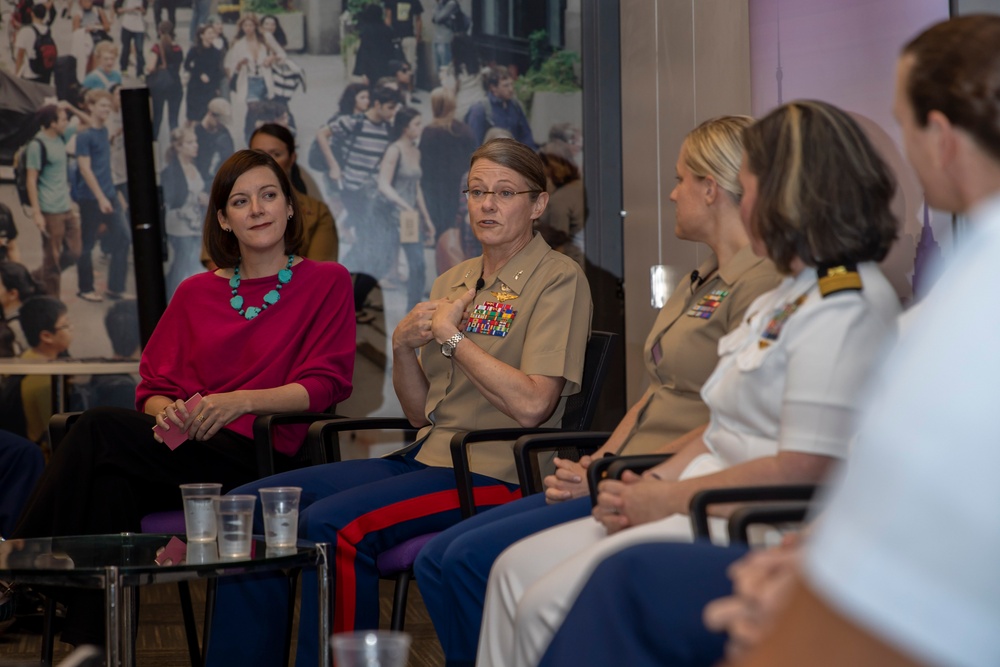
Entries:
{"x":492,"y":319}
{"x":708,"y":304}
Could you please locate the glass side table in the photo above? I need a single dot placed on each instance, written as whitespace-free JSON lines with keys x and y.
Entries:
{"x":119,"y":564}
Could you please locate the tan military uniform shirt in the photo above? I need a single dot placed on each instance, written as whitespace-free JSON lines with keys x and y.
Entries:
{"x":547,"y":335}
{"x":682,"y":348}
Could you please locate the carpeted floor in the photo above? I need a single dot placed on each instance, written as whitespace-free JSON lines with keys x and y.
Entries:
{"x":161,"y":641}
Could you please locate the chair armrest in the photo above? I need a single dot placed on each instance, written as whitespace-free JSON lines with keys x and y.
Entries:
{"x":744,"y":517}
{"x":568,"y":444}
{"x":322,"y":434}
{"x":460,"y":443}
{"x":263,"y":430}
{"x":59,"y":425}
{"x":700,"y":502}
{"x":612,"y":467}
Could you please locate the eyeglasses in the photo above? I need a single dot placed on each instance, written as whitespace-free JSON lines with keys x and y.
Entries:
{"x":477,"y":195}
{"x":64,"y":327}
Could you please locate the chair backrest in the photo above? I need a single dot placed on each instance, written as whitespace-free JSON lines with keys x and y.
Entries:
{"x":580,"y":407}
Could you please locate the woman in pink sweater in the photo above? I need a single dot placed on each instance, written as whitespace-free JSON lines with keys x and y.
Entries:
{"x":267,"y":332}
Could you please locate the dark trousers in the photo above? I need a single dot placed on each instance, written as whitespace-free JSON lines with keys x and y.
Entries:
{"x":21,"y":464}
{"x":642,"y":607}
{"x":170,"y":6}
{"x":107,"y":474}
{"x":117,"y":240}
{"x":91,"y":222}
{"x":128,"y":39}
{"x":171,"y":98}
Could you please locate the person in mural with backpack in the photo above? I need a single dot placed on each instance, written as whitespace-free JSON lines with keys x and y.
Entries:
{"x":47,"y":191}
{"x":500,"y":108}
{"x":352,"y":147}
{"x":35,"y":51}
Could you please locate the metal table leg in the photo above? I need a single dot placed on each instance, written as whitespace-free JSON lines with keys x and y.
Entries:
{"x":112,"y":617}
{"x":323,"y":583}
{"x":126,"y":637}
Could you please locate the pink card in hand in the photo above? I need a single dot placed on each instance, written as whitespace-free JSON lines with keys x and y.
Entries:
{"x":175,"y":436}
{"x":173,"y":553}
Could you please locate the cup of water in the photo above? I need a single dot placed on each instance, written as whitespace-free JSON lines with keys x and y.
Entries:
{"x":200,"y":553}
{"x":234,"y":515}
{"x":281,"y":515}
{"x":371,"y":648}
{"x":199,"y":513}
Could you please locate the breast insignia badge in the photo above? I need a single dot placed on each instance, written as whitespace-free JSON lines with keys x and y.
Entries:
{"x":505,"y":294}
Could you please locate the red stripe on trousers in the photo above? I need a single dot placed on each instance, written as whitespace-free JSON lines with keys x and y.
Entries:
{"x":345,"y":589}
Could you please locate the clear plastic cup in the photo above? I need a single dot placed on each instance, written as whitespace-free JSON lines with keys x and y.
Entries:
{"x":199,"y":513}
{"x":281,"y":515}
{"x":199,"y":553}
{"x":371,"y":648}
{"x":234,"y":515}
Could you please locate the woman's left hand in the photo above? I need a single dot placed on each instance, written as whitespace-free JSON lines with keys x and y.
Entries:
{"x":634,"y":500}
{"x":215,"y":411}
{"x":448,"y":317}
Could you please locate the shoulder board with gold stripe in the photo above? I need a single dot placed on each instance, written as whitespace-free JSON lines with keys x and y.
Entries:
{"x":842,"y":278}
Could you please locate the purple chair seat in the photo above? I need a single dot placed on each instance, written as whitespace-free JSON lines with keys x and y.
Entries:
{"x":400,"y":558}
{"x":170,"y":523}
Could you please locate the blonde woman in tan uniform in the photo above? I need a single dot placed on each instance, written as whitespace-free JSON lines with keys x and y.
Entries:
{"x":680,"y":353}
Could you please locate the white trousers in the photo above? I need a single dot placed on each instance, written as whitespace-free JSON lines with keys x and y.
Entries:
{"x":534,"y":583}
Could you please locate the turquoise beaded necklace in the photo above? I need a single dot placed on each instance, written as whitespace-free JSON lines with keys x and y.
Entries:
{"x":270,"y":298}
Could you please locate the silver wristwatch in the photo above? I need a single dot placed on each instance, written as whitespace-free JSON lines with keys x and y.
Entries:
{"x":448,"y":347}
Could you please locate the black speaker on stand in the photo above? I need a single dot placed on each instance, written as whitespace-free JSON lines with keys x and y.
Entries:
{"x":144,"y":209}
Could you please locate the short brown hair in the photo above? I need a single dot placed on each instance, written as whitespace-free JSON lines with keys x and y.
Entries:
{"x":823,"y":192}
{"x":558,"y":160}
{"x":514,"y":155}
{"x":222,"y":246}
{"x":956,"y":71}
{"x":47,"y":115}
{"x":492,"y":76}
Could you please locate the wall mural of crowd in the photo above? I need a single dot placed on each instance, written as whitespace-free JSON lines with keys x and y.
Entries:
{"x":378,"y":154}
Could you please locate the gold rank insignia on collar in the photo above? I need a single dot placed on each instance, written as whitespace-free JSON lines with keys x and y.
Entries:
{"x":504,"y":294}
{"x":834,"y":279}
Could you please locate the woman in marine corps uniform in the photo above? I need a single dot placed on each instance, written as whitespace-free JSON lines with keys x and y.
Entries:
{"x":500,"y":343}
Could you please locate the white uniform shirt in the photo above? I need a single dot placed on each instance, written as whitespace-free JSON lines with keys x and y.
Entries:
{"x":764,"y":396}
{"x":909,"y":546}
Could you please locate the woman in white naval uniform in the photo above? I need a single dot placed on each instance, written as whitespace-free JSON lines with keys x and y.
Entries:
{"x":789,"y":381}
